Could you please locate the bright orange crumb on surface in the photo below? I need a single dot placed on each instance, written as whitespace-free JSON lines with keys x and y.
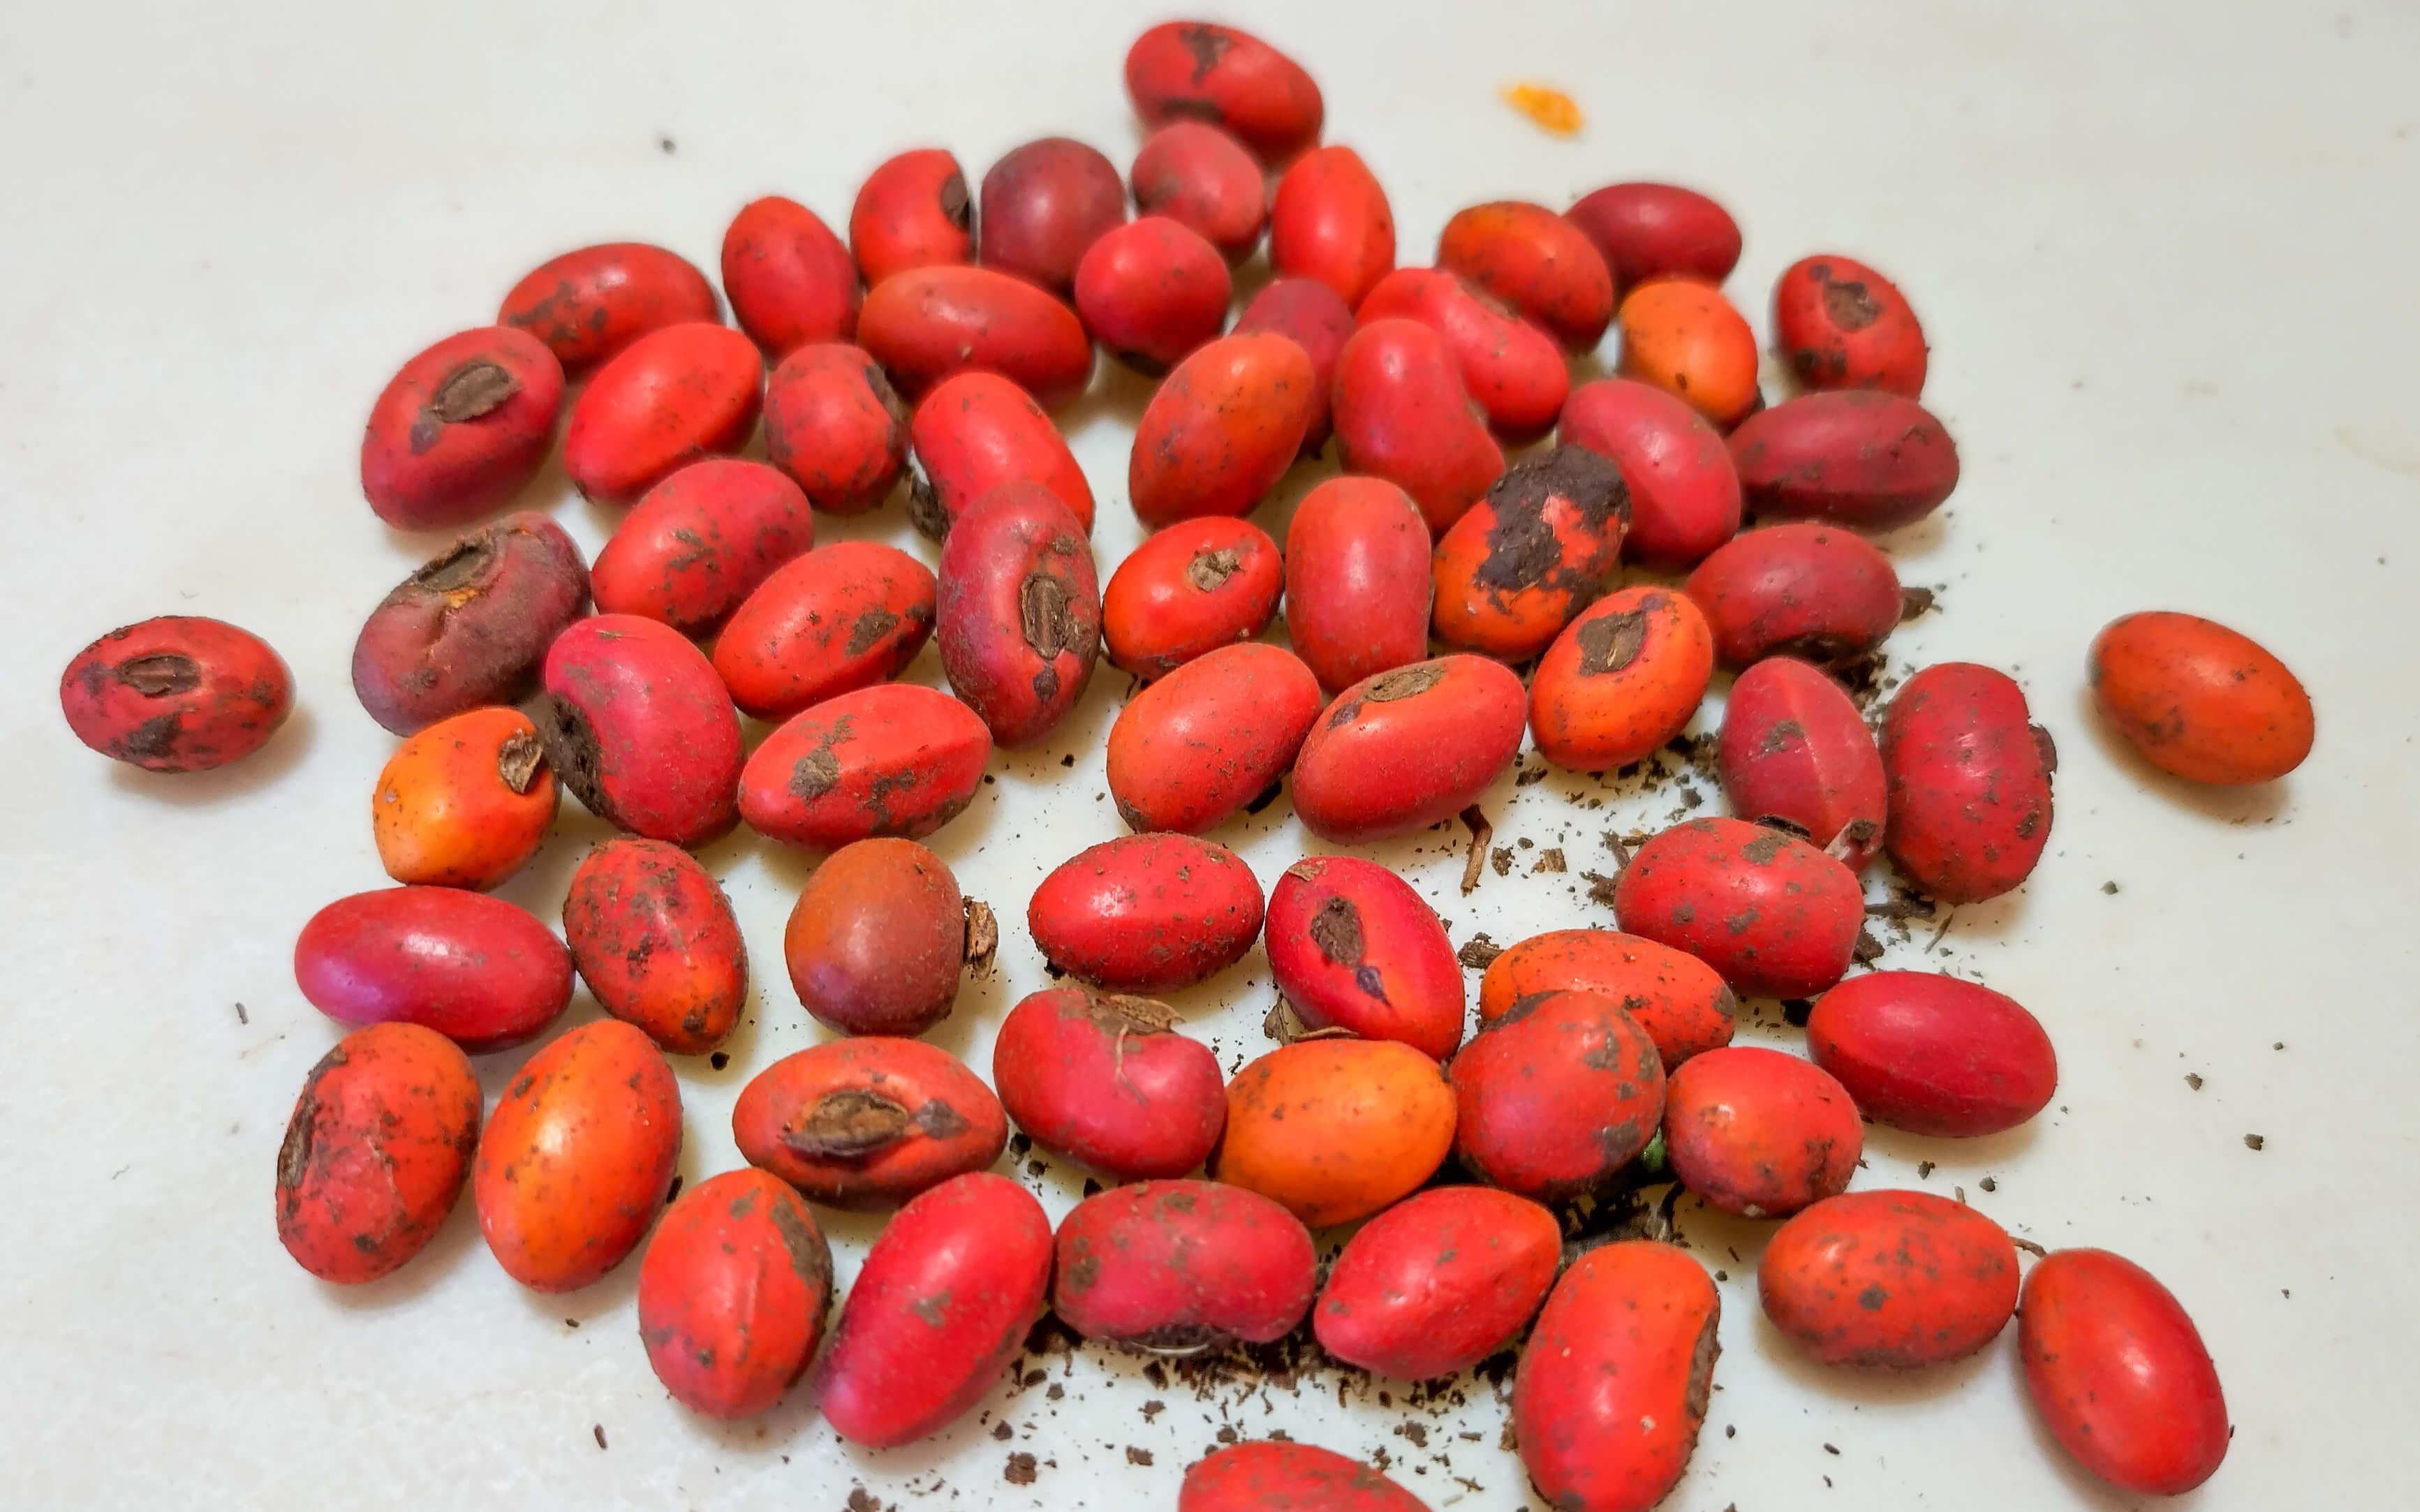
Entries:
{"x":1553,"y":109}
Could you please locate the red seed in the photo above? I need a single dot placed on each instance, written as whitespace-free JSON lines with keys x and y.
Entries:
{"x":942,"y":1304}
{"x":1794,"y":748}
{"x":1759,"y":1132}
{"x":1514,"y":570}
{"x":1188,"y":752}
{"x":1807,"y":590}
{"x":1776,"y":917}
{"x":791,"y":281}
{"x":926,"y":323}
{"x":877,"y":940}
{"x":841,"y":617}
{"x":1677,"y":999}
{"x":1401,"y":415}
{"x":1868,"y":460}
{"x":1685,"y":493}
{"x":1358,"y":584}
{"x":833,"y":422}
{"x":1438,"y":1282}
{"x":1933,"y":1054}
{"x":1841,"y":325}
{"x":976,"y":432}
{"x":1147,"y":913}
{"x":671,"y":396}
{"x":1188,"y":590}
{"x":894,"y":759}
{"x":1044,"y":205}
{"x":641,"y":731}
{"x":1401,"y":751}
{"x":1199,"y":177}
{"x":1330,"y":220}
{"x":655,"y":939}
{"x":1658,"y":231}
{"x":578,"y":1156}
{"x":1220,"y":430}
{"x":700,"y":542}
{"x":177,"y":693}
{"x":1969,"y":782}
{"x":913,"y":212}
{"x":1183,"y":1266}
{"x":1614,"y":1384}
{"x":869,"y":1122}
{"x":1105,"y":1080}
{"x":1281,"y":1475}
{"x":587,"y":305}
{"x":2119,"y":1374}
{"x":1890,"y":1280}
{"x":1511,"y":369}
{"x":1151,"y":291}
{"x":1194,"y":70}
{"x":476,"y":969}
{"x":733,"y":1291}
{"x":470,"y":628}
{"x":1019,"y":618}
{"x":1556,"y":1097}
{"x":461,"y":428}
{"x":375,"y":1152}
{"x":1353,"y":947}
{"x":1535,"y":261}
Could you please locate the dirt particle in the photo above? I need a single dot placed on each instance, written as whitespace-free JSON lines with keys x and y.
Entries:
{"x":1019,"y":1470}
{"x":471,"y":390}
{"x":1914,"y":603}
{"x":1138,"y":1457}
{"x":598,"y":1431}
{"x":1479,"y":952}
{"x":871,"y":627}
{"x":2252,"y":1141}
{"x":1549,"y":860}
{"x":2192,"y":1079}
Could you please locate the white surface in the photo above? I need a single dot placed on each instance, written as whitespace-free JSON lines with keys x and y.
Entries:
{"x":2163,"y":254}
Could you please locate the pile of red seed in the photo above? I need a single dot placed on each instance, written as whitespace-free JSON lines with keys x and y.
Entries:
{"x":947,"y":330}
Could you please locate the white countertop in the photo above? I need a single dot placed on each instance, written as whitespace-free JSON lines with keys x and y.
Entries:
{"x":2165,"y":257}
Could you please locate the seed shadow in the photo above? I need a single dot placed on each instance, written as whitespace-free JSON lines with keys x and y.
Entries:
{"x":2258,"y":803}
{"x":283,"y":753}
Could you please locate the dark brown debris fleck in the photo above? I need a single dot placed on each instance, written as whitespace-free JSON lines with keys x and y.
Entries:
{"x":599,"y":1429}
{"x":241,"y":1016}
{"x":1549,"y":859}
{"x":1924,"y":1170}
{"x":1796,"y":1012}
{"x":1001,"y":1431}
{"x":2256,"y":1141}
{"x":2192,"y":1079}
{"x":1138,"y":1457}
{"x":1991,"y":1185}
{"x":1019,"y":1470}
{"x":862,"y":1500}
{"x":719,"y":1059}
{"x":1480,"y":833}
{"x":2109,"y":887}
{"x":1501,"y":860}
{"x":1832,"y":1449}
{"x":1600,"y":887}
{"x":1479,"y":952}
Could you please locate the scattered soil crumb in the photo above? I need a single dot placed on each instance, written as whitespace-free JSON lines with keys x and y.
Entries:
{"x":1501,"y":860}
{"x":2192,"y":1079}
{"x":2255,"y":1142}
{"x":1990,"y":1183}
{"x":1138,"y":1457}
{"x":1600,"y":887}
{"x":2110,"y":888}
{"x":1924,"y":1170}
{"x":1549,"y":859}
{"x":1020,"y":1469}
{"x":1479,"y":952}
{"x":599,"y":1429}
{"x":241,"y":1016}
